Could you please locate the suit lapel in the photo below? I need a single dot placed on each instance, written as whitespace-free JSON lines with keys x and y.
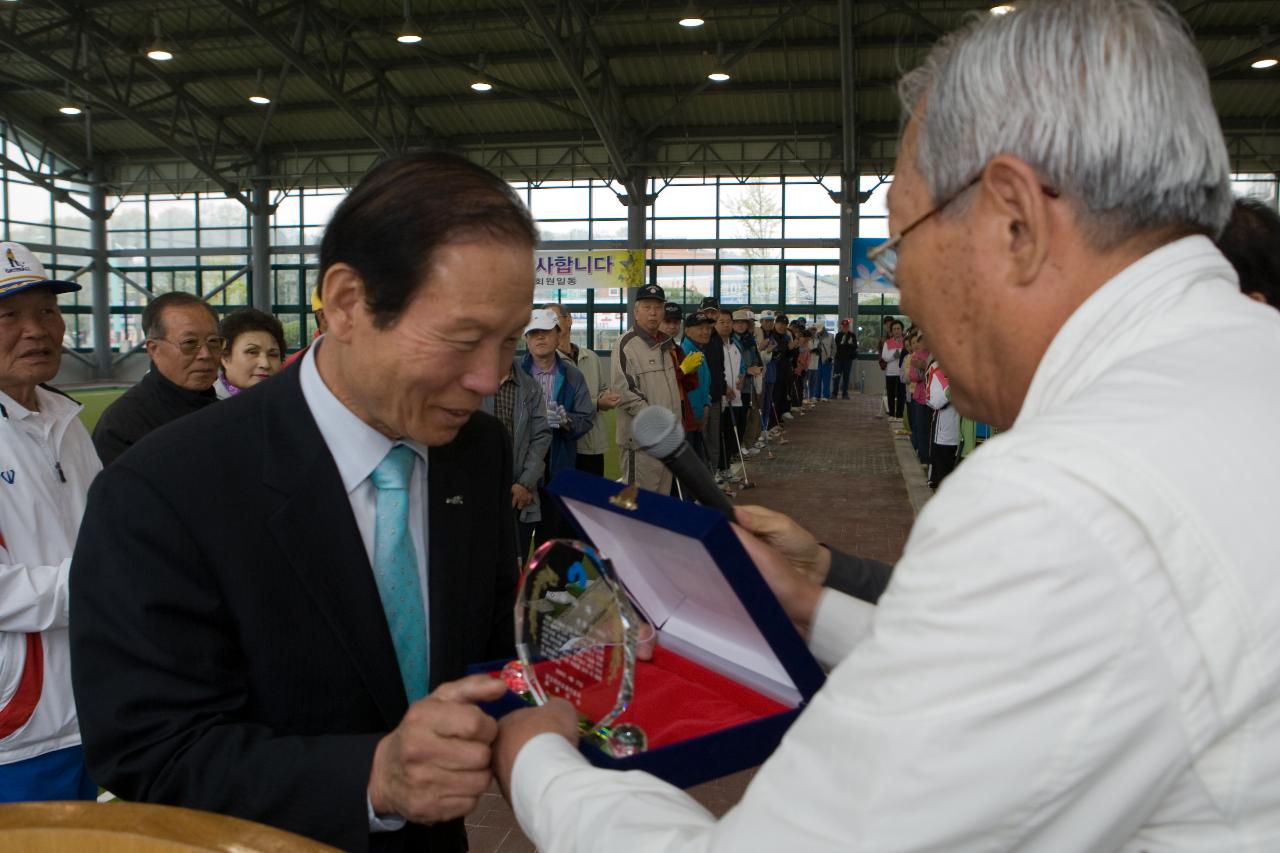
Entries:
{"x":449,"y":492}
{"x":317,"y":535}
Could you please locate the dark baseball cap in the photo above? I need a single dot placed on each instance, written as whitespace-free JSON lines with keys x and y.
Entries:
{"x":671,"y":311}
{"x":651,"y":291}
{"x":709,"y":302}
{"x":697,"y":318}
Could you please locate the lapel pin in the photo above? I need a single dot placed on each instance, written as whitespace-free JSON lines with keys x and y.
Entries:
{"x":456,"y":500}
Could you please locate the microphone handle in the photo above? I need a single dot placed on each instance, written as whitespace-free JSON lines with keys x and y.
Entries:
{"x":692,"y":473}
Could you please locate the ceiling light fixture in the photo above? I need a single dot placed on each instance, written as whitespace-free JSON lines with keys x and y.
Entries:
{"x":1002,"y":9}
{"x":1265,"y":63}
{"x":159,"y":49}
{"x":70,"y":106}
{"x":259,"y":94}
{"x":690,"y":17}
{"x":481,"y":82}
{"x":409,"y":32}
{"x":719,"y":73}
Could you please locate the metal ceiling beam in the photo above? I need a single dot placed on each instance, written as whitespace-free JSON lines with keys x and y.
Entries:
{"x":104,"y":40}
{"x":575,"y":46}
{"x":286,"y":107}
{"x":796,"y":8}
{"x":333,"y":88}
{"x":375,"y":70}
{"x":15,"y":42}
{"x":38,"y":129}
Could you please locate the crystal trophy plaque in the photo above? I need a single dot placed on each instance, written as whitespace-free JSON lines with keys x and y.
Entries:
{"x":576,"y":638}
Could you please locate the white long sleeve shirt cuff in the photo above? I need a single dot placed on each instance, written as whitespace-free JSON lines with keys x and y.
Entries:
{"x":385,"y":823}
{"x":550,"y":781}
{"x":839,"y":624}
{"x":33,"y":598}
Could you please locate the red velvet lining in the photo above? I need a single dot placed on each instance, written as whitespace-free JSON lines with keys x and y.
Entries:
{"x":677,"y":699}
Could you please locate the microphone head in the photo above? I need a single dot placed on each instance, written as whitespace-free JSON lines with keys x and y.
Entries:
{"x":657,"y":431}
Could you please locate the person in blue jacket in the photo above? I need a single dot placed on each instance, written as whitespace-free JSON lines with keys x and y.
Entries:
{"x":570,"y":413}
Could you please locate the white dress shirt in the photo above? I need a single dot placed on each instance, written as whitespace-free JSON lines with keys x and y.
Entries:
{"x":1080,"y":647}
{"x":357,"y":450}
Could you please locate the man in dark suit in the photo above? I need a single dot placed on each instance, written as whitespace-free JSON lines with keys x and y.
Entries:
{"x":274,"y":600}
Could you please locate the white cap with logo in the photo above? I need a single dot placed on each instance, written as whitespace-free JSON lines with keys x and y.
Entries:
{"x":542,"y":320}
{"x":19,"y":271}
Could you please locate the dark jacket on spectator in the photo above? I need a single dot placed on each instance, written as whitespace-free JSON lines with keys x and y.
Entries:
{"x":846,"y":346}
{"x":149,"y":405}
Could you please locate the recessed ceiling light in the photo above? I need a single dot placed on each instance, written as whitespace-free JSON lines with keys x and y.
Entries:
{"x":260,"y":100}
{"x":70,"y":110}
{"x":718,"y":76}
{"x":1002,"y":9}
{"x":1266,"y":63}
{"x":482,"y":86}
{"x":691,"y":21}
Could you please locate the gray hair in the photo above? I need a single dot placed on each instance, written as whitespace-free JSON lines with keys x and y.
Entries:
{"x":1107,"y":99}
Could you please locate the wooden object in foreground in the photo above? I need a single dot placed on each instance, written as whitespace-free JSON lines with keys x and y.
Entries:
{"x":117,"y":827}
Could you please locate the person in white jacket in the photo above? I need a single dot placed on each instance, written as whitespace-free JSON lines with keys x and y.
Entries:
{"x":46,"y":464}
{"x":1079,"y":649}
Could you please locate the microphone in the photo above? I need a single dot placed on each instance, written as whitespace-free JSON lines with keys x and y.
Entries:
{"x":658,"y":433}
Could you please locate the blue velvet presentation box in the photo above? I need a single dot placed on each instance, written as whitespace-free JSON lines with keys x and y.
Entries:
{"x":730,"y":673}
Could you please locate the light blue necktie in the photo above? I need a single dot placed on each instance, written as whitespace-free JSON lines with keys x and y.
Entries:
{"x":395,"y":568}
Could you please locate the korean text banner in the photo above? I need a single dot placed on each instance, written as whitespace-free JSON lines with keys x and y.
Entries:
{"x":587,"y":269}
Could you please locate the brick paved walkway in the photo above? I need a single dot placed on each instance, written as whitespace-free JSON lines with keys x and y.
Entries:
{"x":838,"y":474}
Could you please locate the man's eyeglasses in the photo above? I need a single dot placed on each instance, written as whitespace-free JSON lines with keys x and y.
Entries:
{"x":191,"y":346}
{"x":885,"y":256}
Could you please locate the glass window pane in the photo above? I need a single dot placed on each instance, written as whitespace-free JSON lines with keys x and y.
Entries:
{"x":679,"y":200}
{"x":764,"y":284}
{"x":828,"y":285}
{"x":24,"y":233}
{"x":699,"y":283}
{"x":605,"y":203}
{"x":172,"y":212}
{"x":29,"y":203}
{"x":609,"y":229}
{"x":559,"y":202}
{"x":750,"y":229}
{"x":217,"y":212}
{"x":802,"y":229}
{"x":569,"y":230}
{"x":800,"y":285}
{"x":809,"y":199}
{"x":751,"y":200}
{"x":607,"y":327}
{"x":734,"y":285}
{"x":684,"y":229}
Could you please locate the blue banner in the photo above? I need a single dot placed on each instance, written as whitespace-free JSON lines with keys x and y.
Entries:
{"x":866,"y":278}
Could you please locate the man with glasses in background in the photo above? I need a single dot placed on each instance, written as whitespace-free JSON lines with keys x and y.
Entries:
{"x":183,"y":342}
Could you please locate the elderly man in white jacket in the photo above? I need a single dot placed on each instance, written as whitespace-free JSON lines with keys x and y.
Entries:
{"x":1079,"y":649}
{"x":46,"y":464}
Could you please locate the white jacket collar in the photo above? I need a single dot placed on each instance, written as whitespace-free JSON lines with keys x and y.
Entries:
{"x":1108,"y":327}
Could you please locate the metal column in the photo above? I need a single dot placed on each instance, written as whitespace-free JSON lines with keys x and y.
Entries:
{"x":260,"y":214}
{"x":99,"y":289}
{"x":848,"y":197}
{"x":637,"y":203}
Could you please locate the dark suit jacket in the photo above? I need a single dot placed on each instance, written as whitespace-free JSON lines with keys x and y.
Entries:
{"x":229,"y":650}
